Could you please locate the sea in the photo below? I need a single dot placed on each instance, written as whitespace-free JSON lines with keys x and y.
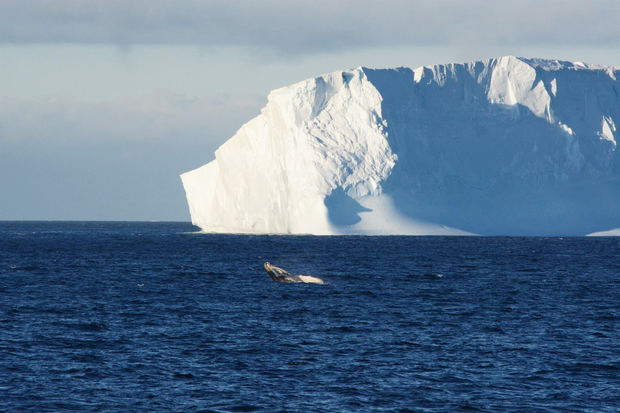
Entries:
{"x":152,"y":316}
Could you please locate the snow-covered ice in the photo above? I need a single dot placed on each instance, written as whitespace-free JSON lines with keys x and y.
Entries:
{"x":502,"y":146}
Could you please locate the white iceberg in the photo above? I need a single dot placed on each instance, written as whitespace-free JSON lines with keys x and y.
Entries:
{"x":609,"y":233}
{"x":502,"y":146}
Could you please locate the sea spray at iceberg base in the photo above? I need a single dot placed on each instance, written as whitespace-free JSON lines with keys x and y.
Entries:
{"x":502,"y":146}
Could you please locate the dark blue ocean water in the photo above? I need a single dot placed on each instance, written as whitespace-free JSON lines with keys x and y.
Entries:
{"x":152,"y":317}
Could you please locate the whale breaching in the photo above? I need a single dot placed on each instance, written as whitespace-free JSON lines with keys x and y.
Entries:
{"x":281,"y":275}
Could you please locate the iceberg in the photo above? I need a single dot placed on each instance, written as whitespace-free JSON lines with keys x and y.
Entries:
{"x":504,"y":146}
{"x":610,"y":233}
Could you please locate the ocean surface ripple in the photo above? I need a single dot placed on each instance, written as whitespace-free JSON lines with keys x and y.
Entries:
{"x":155,"y":317}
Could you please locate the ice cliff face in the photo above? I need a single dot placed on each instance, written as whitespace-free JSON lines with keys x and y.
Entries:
{"x":503,"y":146}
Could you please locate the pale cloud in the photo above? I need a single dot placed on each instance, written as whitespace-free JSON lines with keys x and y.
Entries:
{"x":66,"y":159}
{"x":301,"y":27}
{"x":161,"y":115}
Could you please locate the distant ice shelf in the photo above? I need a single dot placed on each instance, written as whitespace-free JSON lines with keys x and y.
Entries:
{"x":610,"y":233}
{"x":504,"y":146}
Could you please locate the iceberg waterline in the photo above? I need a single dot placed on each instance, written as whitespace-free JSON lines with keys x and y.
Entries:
{"x":503,"y":146}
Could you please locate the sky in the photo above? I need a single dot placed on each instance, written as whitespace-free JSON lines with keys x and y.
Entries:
{"x":103,"y":103}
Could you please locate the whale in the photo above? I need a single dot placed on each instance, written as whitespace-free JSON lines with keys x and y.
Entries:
{"x":281,"y":275}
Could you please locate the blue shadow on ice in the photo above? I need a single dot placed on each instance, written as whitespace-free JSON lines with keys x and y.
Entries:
{"x":342,"y":210}
{"x":496,"y":169}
